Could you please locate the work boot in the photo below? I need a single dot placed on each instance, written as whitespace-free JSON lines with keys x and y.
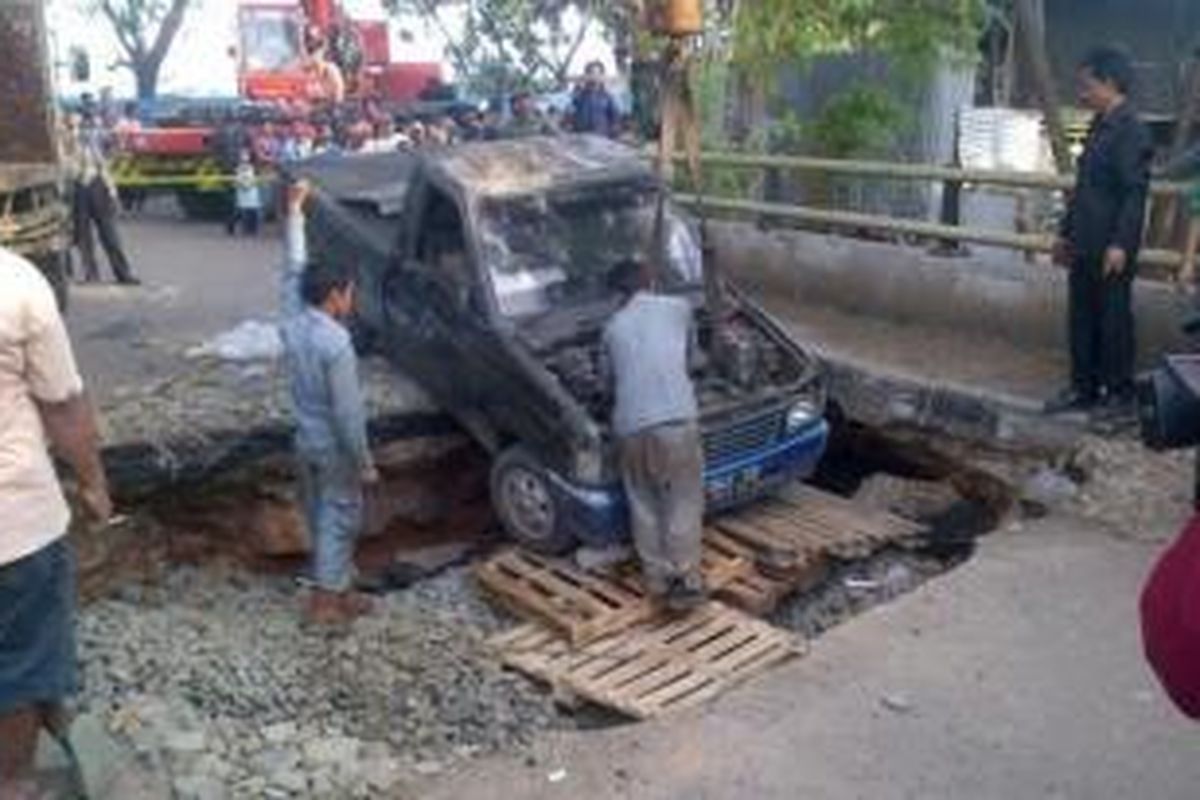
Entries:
{"x":1070,"y":401}
{"x":1115,"y":412}
{"x":686,"y":594}
{"x":335,"y":609}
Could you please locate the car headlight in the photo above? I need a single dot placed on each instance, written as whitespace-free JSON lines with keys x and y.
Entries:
{"x":801,"y":415}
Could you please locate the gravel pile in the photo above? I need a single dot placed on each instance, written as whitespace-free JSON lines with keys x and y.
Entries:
{"x":213,"y":681}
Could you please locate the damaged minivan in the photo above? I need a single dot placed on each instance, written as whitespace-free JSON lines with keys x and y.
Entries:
{"x":483,"y":275}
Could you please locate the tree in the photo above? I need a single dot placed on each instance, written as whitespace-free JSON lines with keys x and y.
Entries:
{"x":145,"y":31}
{"x":501,"y":45}
{"x":916,"y":33}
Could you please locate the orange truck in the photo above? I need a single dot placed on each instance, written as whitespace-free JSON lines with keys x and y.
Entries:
{"x":275,"y":67}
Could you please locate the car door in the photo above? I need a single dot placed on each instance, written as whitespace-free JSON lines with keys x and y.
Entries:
{"x":431,"y":302}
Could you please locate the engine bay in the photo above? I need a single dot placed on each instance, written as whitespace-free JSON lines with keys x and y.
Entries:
{"x":747,"y":364}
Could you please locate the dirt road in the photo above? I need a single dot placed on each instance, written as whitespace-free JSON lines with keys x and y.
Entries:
{"x":197,"y":282}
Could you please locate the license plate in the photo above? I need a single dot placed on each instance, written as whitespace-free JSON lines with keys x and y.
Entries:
{"x":742,"y":484}
{"x":746,"y":483}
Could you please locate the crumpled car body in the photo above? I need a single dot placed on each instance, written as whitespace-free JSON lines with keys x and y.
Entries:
{"x":482,"y":275}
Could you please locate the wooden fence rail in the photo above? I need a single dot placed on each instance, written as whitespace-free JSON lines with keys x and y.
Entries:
{"x":1025,"y":242}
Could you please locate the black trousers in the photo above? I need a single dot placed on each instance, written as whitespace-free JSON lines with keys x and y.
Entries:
{"x":1101,"y":329}
{"x":245,"y":219}
{"x":94,"y":206}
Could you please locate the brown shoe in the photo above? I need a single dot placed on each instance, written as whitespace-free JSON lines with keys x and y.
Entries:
{"x":335,"y":609}
{"x":356,"y":604}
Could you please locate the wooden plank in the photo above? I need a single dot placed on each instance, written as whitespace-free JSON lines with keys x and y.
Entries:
{"x":580,"y":605}
{"x":656,"y":666}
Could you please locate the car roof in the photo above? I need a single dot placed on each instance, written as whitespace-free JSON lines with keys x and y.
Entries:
{"x":530,"y":165}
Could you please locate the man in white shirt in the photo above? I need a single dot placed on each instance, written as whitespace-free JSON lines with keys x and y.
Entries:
{"x":41,"y":398}
{"x":649,"y":344}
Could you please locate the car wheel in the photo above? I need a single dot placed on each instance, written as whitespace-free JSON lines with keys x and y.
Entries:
{"x":525,"y":503}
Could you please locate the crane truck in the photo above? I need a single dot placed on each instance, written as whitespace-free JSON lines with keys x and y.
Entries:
{"x":275,"y":38}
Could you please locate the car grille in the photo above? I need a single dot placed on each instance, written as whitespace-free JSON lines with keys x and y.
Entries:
{"x":743,"y":437}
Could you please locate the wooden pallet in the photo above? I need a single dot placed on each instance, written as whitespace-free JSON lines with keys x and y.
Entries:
{"x":578,"y":604}
{"x":655,"y":667}
{"x":805,"y":523}
{"x":758,"y":593}
{"x":583,"y":605}
{"x":751,"y":559}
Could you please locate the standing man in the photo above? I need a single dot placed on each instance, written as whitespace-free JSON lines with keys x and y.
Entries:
{"x":332,"y":452}
{"x":525,"y":121}
{"x":41,"y":397}
{"x":96,"y":204}
{"x":1100,"y":239}
{"x":593,"y":109}
{"x":649,"y":343}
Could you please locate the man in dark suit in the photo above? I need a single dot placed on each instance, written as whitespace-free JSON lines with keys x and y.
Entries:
{"x":1100,"y":239}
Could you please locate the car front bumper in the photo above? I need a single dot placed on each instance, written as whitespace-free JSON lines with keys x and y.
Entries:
{"x":598,"y":516}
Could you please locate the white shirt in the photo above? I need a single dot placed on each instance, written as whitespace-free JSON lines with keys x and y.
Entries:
{"x":648,"y":343}
{"x":36,"y":364}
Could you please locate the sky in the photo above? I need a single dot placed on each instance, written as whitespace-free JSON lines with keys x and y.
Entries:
{"x":199,"y":63}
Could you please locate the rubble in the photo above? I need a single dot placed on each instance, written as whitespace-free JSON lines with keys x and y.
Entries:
{"x":213,"y":681}
{"x":1137,"y":493}
{"x":212,"y":413}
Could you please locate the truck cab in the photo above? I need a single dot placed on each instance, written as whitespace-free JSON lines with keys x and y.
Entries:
{"x":482,"y":275}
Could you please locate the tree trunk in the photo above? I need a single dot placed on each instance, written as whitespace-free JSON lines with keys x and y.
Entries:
{"x":1030,"y":19}
{"x":146,"y":75}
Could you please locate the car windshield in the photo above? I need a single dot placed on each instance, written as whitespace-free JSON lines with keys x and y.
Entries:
{"x":547,"y":252}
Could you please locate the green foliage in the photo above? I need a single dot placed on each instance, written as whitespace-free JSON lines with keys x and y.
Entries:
{"x":509,"y":44}
{"x":861,"y":121}
{"x":915,"y":33}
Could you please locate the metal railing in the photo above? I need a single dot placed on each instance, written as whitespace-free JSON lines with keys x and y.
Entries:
{"x":964,"y":178}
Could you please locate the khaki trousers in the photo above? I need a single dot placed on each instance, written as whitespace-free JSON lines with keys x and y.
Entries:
{"x":663,"y":472}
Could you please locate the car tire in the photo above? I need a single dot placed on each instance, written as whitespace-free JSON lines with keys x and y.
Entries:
{"x":526,"y":504}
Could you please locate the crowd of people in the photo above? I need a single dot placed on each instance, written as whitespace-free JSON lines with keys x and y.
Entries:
{"x":252,"y":143}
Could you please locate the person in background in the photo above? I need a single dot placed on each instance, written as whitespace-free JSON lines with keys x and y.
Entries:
{"x":443,"y":131}
{"x":386,"y":138}
{"x":41,"y":399}
{"x":127,"y":125}
{"x":332,"y":452}
{"x":556,"y":120}
{"x":267,"y":144}
{"x":491,"y":124}
{"x":416,"y":134}
{"x":1100,"y":239}
{"x":525,"y":120}
{"x":593,"y":109}
{"x":325,"y":143}
{"x":247,"y":200}
{"x":649,"y":344}
{"x":471,"y":126}
{"x":327,"y":83}
{"x":96,"y":205}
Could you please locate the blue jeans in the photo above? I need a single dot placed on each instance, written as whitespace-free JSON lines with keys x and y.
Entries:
{"x":333,"y":508}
